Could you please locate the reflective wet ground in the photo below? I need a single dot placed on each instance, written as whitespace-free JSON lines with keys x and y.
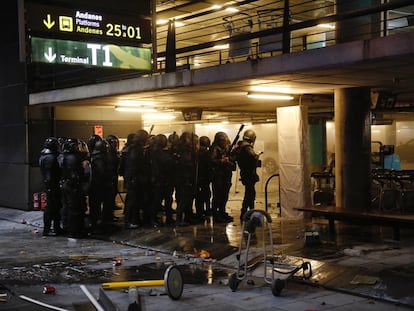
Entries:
{"x":362,"y":261}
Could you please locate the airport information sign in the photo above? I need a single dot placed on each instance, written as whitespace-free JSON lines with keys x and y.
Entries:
{"x":81,"y":24}
{"x":55,"y":51}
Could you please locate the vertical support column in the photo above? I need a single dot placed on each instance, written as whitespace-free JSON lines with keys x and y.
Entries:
{"x":286,"y":32}
{"x":353,"y":148}
{"x":154,"y":35}
{"x":293,"y":159}
{"x":170,"y":56}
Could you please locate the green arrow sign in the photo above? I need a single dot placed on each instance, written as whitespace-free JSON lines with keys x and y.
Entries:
{"x":67,"y":52}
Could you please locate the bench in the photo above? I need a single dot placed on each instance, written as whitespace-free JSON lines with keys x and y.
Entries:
{"x":332,"y":213}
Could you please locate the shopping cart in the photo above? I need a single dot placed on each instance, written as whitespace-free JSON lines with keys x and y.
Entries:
{"x":237,"y":26}
{"x":275,"y":273}
{"x":270,"y":19}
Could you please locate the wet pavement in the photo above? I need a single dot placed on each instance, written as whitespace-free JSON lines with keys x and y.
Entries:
{"x":361,"y":269}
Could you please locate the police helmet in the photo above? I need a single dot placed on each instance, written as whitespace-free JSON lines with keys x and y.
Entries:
{"x":113,"y":141}
{"x":250,"y":136}
{"x":101,"y":146}
{"x":204,"y":141}
{"x":173,"y":139}
{"x":71,"y":145}
{"x":92,"y":141}
{"x":221,"y":137}
{"x":141,"y":137}
{"x":161,"y":141}
{"x":52,"y":144}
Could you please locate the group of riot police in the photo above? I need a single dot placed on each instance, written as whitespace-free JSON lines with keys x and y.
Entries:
{"x":81,"y":180}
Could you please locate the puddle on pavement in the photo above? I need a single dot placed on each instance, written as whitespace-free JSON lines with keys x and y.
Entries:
{"x":399,"y":281}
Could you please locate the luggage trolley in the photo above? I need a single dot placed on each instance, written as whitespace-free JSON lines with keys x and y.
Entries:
{"x":236,"y":27}
{"x":274,"y":273}
{"x":269,"y":19}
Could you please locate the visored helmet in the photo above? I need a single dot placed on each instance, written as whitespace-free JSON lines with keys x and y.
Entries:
{"x":71,"y":145}
{"x":52,"y":144}
{"x":173,"y":139}
{"x":113,"y":141}
{"x":221,"y":139}
{"x":101,"y":146}
{"x":204,"y":141}
{"x":129,"y":139}
{"x":250,"y":136}
{"x":161,"y":141}
{"x":186,"y":138}
{"x":92,"y":141}
{"x":141,"y":137}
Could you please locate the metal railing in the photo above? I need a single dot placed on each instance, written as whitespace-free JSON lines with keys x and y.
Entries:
{"x":262,"y":29}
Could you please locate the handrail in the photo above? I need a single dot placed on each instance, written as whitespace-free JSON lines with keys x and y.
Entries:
{"x":266,"y":185}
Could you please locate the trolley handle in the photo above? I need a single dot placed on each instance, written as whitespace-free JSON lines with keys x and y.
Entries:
{"x":247,"y":216}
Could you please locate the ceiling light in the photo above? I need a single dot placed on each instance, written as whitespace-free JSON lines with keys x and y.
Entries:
{"x":135,"y":103}
{"x":216,"y":7}
{"x":231,"y":9}
{"x":135,"y":109}
{"x":271,"y":89}
{"x":269,"y":96}
{"x":162,"y":22}
{"x":178,"y":24}
{"x":221,"y":47}
{"x":329,"y":26}
{"x":159,"y":116}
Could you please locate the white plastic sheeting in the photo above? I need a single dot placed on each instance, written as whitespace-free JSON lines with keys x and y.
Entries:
{"x":293,"y":159}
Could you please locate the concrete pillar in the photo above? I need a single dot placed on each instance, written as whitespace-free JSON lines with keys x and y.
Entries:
{"x":353,"y":148}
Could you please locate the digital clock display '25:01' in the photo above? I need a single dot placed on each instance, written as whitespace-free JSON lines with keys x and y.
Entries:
{"x":123,"y":31}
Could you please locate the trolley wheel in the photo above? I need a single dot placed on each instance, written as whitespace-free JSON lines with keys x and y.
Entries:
{"x":173,"y":282}
{"x":277,"y":286}
{"x":233,"y":282}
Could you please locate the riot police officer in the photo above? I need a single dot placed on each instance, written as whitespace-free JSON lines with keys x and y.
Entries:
{"x":162,"y":174}
{"x":100,"y":207}
{"x":113,"y":166}
{"x":185,"y":173}
{"x":92,"y":141}
{"x":203,"y":191}
{"x":248,"y":161}
{"x":72,"y":195}
{"x":136,"y":174}
{"x":50,"y":170}
{"x":222,"y":165}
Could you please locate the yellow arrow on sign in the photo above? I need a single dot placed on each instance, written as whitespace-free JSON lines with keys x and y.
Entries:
{"x":49,"y":23}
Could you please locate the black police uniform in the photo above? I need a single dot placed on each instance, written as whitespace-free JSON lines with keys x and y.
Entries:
{"x":100,"y":204}
{"x":162,"y":174}
{"x":247,"y":160}
{"x":185,"y":174}
{"x":50,"y":170}
{"x":203,"y":191}
{"x":136,"y":174}
{"x":72,"y":193}
{"x":222,"y":170}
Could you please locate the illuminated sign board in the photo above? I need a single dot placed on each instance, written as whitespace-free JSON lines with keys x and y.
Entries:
{"x":54,"y":51}
{"x":79,"y":24}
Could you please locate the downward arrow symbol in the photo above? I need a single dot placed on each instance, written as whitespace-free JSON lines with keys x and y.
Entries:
{"x":50,"y":56}
{"x":49,"y":23}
